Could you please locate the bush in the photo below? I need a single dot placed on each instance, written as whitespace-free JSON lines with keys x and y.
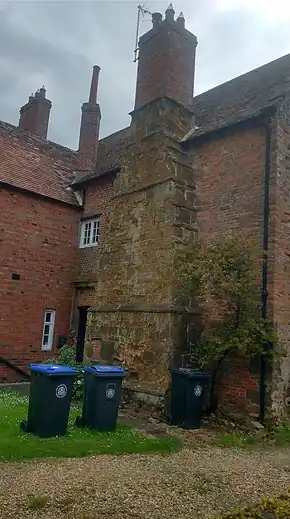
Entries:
{"x":223,"y":278}
{"x":67,"y":357}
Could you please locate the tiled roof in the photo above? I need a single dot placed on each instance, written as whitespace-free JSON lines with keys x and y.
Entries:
{"x":27,"y":161}
{"x":47,"y":168}
{"x":36,"y":165}
{"x":109,"y":151}
{"x":242,"y":97}
{"x":233,"y":101}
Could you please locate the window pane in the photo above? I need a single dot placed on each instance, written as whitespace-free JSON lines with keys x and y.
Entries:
{"x":87,"y":233}
{"x":90,"y":232}
{"x":96,"y":231}
{"x":46,"y":329}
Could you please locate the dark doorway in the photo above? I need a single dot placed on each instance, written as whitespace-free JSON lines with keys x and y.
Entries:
{"x":83,"y":313}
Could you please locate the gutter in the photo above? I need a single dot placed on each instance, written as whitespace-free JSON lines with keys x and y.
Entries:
{"x":266,"y":214}
{"x":197,"y":133}
{"x":10,"y":186}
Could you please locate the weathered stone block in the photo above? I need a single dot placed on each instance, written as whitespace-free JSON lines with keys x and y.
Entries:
{"x":107,"y":351}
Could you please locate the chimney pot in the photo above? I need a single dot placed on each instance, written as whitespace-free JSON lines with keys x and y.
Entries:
{"x":94,"y":85}
{"x":181,"y":20}
{"x":42,"y":92}
{"x":169,"y":13}
{"x":166,"y":63}
{"x":34,"y":115}
{"x":156,"y":18}
{"x":90,"y":125}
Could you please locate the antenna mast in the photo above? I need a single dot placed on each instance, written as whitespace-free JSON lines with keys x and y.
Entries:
{"x":141,"y":11}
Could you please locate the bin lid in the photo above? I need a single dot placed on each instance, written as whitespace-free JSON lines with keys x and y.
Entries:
{"x":98,"y":369}
{"x":191,"y":373}
{"x":53,"y":369}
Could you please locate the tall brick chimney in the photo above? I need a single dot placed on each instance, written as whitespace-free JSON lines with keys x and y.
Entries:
{"x":90,"y":126}
{"x":34,"y":115}
{"x":166,"y":61}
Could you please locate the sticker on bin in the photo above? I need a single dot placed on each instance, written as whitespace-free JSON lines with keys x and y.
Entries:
{"x":61,"y":391}
{"x":197,"y":390}
{"x":110,"y":390}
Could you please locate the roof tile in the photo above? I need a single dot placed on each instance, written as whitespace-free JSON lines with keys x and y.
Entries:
{"x":242,"y":97}
{"x":28,"y":161}
{"x":34,"y":164}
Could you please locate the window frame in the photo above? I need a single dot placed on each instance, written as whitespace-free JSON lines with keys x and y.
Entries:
{"x":51,"y":324}
{"x":92,"y":220}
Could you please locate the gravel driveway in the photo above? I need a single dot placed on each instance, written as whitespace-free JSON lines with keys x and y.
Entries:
{"x":190,"y":484}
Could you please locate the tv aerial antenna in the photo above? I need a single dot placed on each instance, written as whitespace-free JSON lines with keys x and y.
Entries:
{"x":141,"y":11}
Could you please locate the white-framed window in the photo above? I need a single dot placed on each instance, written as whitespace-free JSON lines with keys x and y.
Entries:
{"x":48,"y":329}
{"x":90,"y":232}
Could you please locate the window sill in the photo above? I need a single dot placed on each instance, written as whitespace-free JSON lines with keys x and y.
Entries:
{"x":89,"y":246}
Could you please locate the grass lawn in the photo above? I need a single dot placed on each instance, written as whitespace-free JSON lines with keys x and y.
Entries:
{"x":200,"y":481}
{"x":277,"y":437}
{"x":15,"y":445}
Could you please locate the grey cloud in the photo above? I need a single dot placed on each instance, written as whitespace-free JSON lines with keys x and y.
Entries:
{"x":57,"y":43}
{"x":69,"y":38}
{"x":234,"y":42}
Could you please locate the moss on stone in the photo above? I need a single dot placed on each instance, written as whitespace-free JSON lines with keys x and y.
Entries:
{"x":269,"y":508}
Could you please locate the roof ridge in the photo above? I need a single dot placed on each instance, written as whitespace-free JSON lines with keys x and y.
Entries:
{"x":115,"y":133}
{"x":35,"y":138}
{"x":254,"y":70}
{"x":11,"y":127}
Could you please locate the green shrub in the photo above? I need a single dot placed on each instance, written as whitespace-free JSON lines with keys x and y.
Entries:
{"x":67,"y":357}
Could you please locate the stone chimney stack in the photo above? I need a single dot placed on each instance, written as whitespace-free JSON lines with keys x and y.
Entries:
{"x":34,"y":115}
{"x":90,"y":126}
{"x":166,"y":62}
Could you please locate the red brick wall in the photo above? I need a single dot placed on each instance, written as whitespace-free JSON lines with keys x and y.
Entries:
{"x":37,"y":241}
{"x":230,"y":196}
{"x":166,"y":64}
{"x":89,"y":136}
{"x":34,"y":115}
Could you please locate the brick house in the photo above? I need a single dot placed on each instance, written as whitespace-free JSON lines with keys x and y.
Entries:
{"x":89,"y":238}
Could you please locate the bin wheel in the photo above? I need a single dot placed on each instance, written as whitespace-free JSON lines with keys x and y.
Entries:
{"x":78,"y":421}
{"x":23,"y":426}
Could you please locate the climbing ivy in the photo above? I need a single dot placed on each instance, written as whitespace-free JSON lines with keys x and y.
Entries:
{"x":224,"y":279}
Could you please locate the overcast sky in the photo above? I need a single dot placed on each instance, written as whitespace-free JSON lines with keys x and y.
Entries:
{"x":56,"y":43}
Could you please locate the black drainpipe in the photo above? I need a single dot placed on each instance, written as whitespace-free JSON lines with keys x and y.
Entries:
{"x":263,"y":365}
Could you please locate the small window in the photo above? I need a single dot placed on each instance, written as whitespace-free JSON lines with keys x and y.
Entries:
{"x":48,"y":329}
{"x":90,"y":232}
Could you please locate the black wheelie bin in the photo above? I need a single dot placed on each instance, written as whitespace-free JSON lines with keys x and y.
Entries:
{"x":49,"y":400}
{"x":187,"y":397}
{"x":102,"y":395}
